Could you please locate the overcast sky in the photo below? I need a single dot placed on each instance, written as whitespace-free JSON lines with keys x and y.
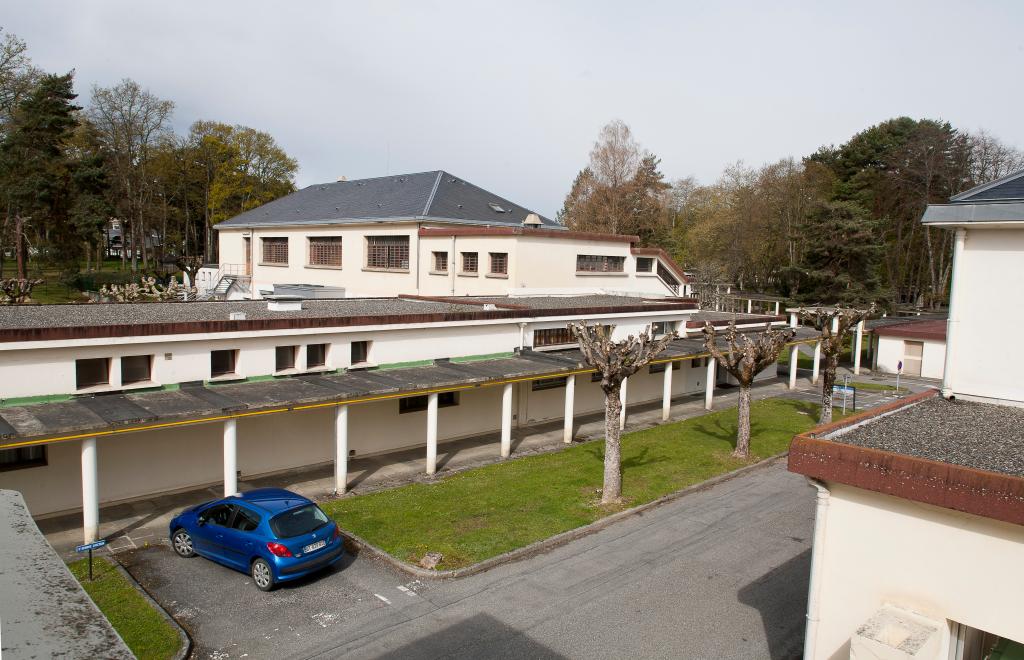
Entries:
{"x":511,"y":95}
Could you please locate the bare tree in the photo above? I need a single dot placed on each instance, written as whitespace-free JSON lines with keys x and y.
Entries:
{"x":15,"y":290}
{"x":834,"y":324}
{"x":744,"y":358}
{"x":615,"y":361}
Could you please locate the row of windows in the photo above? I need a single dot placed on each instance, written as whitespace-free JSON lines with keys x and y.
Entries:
{"x":387,"y":252}
{"x":595,"y":263}
{"x":137,"y":369}
{"x":471,"y":262}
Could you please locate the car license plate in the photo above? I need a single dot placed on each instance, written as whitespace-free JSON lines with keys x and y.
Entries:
{"x":314,"y":546}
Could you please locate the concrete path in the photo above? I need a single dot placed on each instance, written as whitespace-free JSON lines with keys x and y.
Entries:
{"x":720,"y":573}
{"x":144,"y":522}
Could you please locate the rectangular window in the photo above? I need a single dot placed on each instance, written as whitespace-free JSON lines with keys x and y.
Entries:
{"x":499,"y":263}
{"x":441,"y":262}
{"x":660,"y":367}
{"x":552,"y":337}
{"x":316,"y":355}
{"x":547,"y":384}
{"x":662,"y":328}
{"x":594,"y":263}
{"x":695,"y":363}
{"x":644,"y":264}
{"x":275,"y":251}
{"x":418,"y":403}
{"x":136,"y":369}
{"x":284,"y":357}
{"x":325,"y":251}
{"x":22,"y":457}
{"x":222,"y":363}
{"x":92,"y":372}
{"x":388,"y":252}
{"x":360,"y":352}
{"x":470,"y":262}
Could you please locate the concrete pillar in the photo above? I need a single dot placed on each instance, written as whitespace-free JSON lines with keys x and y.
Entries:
{"x":666,"y":393}
{"x":794,"y":360}
{"x":817,"y":363}
{"x":709,"y":386}
{"x":792,"y":319}
{"x":570,"y":400}
{"x":858,"y":341}
{"x":622,"y":400}
{"x":750,"y":305}
{"x":506,"y":420}
{"x":340,"y":449}
{"x":776,"y":308}
{"x":90,"y":492}
{"x":230,"y":457}
{"x":432,"y":433}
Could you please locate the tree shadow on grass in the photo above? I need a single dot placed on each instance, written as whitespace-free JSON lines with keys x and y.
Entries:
{"x":640,"y":459}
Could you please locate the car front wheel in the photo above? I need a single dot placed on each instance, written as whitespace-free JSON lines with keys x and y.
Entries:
{"x":262,"y":575}
{"x":182,"y":543}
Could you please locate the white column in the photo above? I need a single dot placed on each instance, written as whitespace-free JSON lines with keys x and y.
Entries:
{"x":709,"y":386}
{"x":432,"y":433}
{"x":750,"y":305}
{"x":792,"y":319}
{"x":341,"y":449}
{"x":230,"y":457}
{"x":858,"y":342}
{"x":794,"y":359}
{"x":506,"y":420}
{"x":622,"y":400}
{"x":666,"y":393}
{"x":817,"y":363}
{"x":776,"y":308}
{"x":570,"y":400}
{"x":90,"y":492}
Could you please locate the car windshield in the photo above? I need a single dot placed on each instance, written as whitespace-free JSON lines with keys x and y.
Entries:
{"x":297,"y":522}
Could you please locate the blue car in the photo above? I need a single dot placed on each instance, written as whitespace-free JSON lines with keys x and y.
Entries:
{"x":270,"y":533}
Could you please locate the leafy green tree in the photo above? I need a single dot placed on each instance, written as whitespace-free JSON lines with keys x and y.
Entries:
{"x":841,"y":258}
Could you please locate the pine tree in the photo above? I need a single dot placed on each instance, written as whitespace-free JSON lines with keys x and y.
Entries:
{"x":841,"y":260}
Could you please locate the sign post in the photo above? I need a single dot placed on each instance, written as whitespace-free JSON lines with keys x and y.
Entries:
{"x":88,"y":547}
{"x":899,"y":370}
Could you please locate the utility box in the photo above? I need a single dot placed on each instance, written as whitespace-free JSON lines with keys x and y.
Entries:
{"x":896,"y":634}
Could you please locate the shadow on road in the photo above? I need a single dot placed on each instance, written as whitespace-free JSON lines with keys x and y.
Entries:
{"x":780,"y":596}
{"x":479,"y":636}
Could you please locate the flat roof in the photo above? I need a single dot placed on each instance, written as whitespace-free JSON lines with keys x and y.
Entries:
{"x":954,"y":454}
{"x":89,"y":320}
{"x":934,"y":329}
{"x":192,"y":403}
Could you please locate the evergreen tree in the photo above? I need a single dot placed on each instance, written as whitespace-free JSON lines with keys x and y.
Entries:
{"x":842,"y":257}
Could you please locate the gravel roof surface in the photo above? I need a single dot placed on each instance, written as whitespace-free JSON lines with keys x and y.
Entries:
{"x":41,"y":316}
{"x":557,"y":302}
{"x":977,"y":435}
{"x":710,"y":315}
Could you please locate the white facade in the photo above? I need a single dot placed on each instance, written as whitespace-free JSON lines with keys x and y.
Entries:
{"x":891,"y":350}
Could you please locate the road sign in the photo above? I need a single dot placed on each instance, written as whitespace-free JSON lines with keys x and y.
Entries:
{"x":846,"y":391}
{"x":89,"y":547}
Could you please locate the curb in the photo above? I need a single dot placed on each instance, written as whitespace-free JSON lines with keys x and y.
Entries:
{"x":552,"y":542}
{"x":185,"y":642}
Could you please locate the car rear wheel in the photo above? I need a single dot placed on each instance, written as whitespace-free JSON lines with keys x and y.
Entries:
{"x":182,"y":543}
{"x":262,"y":575}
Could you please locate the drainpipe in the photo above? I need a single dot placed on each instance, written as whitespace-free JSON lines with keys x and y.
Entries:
{"x":953,"y":322}
{"x":522,"y":335}
{"x":451,"y":265}
{"x":814,"y":590}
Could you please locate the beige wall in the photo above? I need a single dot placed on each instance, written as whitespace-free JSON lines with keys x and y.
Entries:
{"x":940,"y":563}
{"x":989,"y":296}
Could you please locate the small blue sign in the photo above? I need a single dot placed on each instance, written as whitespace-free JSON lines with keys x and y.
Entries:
{"x":841,"y":389}
{"x":91,"y":546}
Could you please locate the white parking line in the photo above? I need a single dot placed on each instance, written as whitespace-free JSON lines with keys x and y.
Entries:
{"x":406,"y":590}
{"x":383,"y":598}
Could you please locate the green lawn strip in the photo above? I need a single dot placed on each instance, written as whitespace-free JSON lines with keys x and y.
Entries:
{"x":143,"y":629}
{"x":481,"y":513}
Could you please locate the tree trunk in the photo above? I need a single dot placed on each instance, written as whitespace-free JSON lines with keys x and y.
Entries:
{"x":743,"y":423}
{"x":19,"y":246}
{"x":612,"y":493}
{"x":828,"y":379}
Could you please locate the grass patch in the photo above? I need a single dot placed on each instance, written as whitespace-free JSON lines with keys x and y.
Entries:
{"x":802,"y":361}
{"x":480,"y":513}
{"x":143,"y":629}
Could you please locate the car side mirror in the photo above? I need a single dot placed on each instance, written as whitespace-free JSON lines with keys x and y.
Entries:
{"x":201,"y":521}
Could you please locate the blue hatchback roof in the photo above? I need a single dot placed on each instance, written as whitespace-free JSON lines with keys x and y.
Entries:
{"x":273,"y":500}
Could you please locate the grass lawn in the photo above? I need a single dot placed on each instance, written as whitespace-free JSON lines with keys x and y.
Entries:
{"x":52,"y":291}
{"x":146,"y":632}
{"x":480,"y":513}
{"x":802,"y":361}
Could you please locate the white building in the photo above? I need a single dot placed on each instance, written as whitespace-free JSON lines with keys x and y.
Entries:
{"x":107,"y":403}
{"x":918,"y":345}
{"x":425,"y":234}
{"x":919,"y":530}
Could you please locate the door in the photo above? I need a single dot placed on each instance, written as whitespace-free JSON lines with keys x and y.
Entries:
{"x":239,"y":540}
{"x":209,"y":536}
{"x":913,"y":353}
{"x":248,"y":255}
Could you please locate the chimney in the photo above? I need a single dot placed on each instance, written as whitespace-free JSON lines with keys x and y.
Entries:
{"x":532,"y":220}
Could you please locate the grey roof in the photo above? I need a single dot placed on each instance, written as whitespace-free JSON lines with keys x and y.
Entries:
{"x":976,"y":435}
{"x":45,"y":611}
{"x":1001,"y":200}
{"x":1007,"y":188}
{"x":195,"y":402}
{"x":437,"y":196}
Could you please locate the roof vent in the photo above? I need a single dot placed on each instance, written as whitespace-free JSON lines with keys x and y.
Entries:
{"x":284,"y":304}
{"x":342,"y":178}
{"x":532,"y":220}
{"x":490,"y":307}
{"x":236,"y":316}
{"x":497,"y":208}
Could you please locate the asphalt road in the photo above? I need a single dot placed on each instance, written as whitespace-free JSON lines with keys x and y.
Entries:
{"x":720,"y":573}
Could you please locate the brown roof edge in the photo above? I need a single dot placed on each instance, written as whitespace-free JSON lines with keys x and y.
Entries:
{"x":720,"y":323}
{"x":526,"y":231}
{"x":664,"y":256}
{"x":978,"y":492}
